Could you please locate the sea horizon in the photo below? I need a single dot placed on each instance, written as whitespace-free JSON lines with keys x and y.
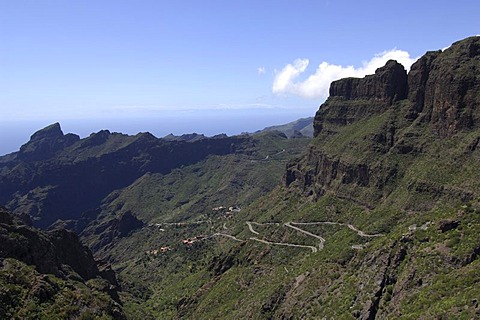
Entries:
{"x":15,"y":133}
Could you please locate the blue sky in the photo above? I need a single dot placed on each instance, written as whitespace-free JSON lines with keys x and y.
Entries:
{"x":81,"y":61}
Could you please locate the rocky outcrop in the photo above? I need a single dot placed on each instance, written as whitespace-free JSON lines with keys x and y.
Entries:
{"x":326,"y":173}
{"x":45,"y":143}
{"x":417,"y":80}
{"x":57,"y":252}
{"x":388,"y":84}
{"x":445,"y":85}
{"x":50,"y":269}
{"x":319,"y":173}
{"x":452,"y":100}
{"x":440,"y":95}
{"x":352,"y":99}
{"x":112,"y":229}
{"x":128,"y":223}
{"x":442,"y":85}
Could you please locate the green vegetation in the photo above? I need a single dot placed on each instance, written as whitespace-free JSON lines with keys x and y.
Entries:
{"x":409,"y":268}
{"x":26,"y":294}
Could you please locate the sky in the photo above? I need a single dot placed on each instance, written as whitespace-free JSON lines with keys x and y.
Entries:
{"x":200,"y":66}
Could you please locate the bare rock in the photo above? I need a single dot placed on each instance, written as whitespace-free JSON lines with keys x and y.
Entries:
{"x":388,"y":84}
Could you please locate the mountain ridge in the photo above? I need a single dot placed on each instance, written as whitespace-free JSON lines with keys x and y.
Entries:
{"x":95,"y":163}
{"x":297,"y":128}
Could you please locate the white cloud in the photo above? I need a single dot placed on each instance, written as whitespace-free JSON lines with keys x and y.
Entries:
{"x":261,"y":70}
{"x":316,"y":85}
{"x":283,"y":81}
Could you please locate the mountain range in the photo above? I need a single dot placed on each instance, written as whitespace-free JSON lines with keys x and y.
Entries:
{"x":375,"y":217}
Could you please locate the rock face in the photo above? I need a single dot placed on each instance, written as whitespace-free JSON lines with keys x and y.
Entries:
{"x":327,"y":174}
{"x":417,"y":80}
{"x":445,"y":85}
{"x":442,"y":85}
{"x":44,"y":270}
{"x":391,"y":112}
{"x":451,"y":100}
{"x":113,"y":229}
{"x":352,"y":99}
{"x":388,"y":84}
{"x":56,"y":252}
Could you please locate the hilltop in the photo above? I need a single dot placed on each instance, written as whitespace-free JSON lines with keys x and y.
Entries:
{"x":298,"y":128}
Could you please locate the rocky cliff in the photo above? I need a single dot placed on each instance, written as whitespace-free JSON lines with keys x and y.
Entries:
{"x":369,"y":130}
{"x":57,"y":252}
{"x":61,"y":255}
{"x":442,"y":86}
{"x":388,"y":84}
{"x":451,"y":98}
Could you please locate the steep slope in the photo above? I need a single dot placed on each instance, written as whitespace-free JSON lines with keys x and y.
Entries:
{"x":371,"y":141}
{"x":188,"y":203}
{"x":51,"y":274}
{"x":380,"y":219}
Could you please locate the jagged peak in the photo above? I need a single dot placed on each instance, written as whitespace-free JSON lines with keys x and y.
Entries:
{"x":146,"y":136}
{"x":51,"y":131}
{"x":46,"y":142}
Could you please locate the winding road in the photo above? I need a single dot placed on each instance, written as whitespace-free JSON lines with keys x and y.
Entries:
{"x":249,"y":224}
{"x":250,"y":227}
{"x":267,"y":158}
{"x":322,"y":240}
{"x":293,"y":225}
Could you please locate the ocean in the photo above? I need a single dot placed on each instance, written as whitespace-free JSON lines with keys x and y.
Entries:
{"x":13,"y":134}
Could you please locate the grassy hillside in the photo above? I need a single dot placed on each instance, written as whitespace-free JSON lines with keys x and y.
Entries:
{"x":420,"y":261}
{"x":179,"y":206}
{"x":51,"y":275}
{"x":380,"y":218}
{"x":27,"y":294}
